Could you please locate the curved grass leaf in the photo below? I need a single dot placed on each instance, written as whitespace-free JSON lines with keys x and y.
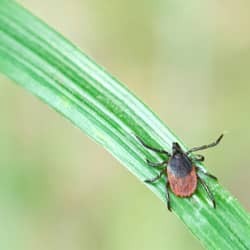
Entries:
{"x":44,"y":63}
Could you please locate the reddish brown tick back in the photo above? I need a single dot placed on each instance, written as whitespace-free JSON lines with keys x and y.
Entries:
{"x":182,"y":174}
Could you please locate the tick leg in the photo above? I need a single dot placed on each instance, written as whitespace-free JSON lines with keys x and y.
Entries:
{"x":161,"y":151}
{"x":198,"y":157}
{"x":167,"y":196}
{"x":156,"y":164}
{"x":206,"y":146}
{"x":156,"y":177}
{"x":205,"y":186}
{"x":206,"y":173}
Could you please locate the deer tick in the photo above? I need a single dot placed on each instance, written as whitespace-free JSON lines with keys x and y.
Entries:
{"x":182,"y":173}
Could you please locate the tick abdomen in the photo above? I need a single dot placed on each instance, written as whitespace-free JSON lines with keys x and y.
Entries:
{"x":181,"y":175}
{"x":183,"y":186}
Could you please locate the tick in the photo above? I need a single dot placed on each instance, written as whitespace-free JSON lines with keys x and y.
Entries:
{"x":182,"y":173}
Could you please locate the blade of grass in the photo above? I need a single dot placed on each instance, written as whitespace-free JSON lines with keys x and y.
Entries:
{"x":50,"y":67}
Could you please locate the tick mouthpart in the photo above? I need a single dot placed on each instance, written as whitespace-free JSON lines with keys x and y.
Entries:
{"x":176,"y":148}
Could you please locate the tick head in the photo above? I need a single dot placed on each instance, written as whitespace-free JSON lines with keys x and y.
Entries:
{"x":176,"y":149}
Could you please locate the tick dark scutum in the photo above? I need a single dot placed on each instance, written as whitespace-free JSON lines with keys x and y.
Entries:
{"x":179,"y":164}
{"x":181,"y":171}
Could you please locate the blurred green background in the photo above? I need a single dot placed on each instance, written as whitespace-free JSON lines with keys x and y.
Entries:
{"x":189,"y":61}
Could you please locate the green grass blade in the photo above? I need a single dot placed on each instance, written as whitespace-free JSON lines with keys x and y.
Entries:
{"x":43,"y":62}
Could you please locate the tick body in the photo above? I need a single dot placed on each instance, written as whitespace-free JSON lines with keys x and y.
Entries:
{"x":182,"y":174}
